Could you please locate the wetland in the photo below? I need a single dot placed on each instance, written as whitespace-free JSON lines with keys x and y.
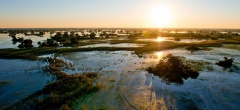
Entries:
{"x":144,"y":69}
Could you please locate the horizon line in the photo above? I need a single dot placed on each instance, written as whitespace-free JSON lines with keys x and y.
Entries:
{"x":110,"y":28}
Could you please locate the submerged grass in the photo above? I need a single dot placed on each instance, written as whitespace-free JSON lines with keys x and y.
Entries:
{"x":199,"y":65}
{"x":232,"y":46}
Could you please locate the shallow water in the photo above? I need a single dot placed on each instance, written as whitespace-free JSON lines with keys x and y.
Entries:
{"x":184,"y":40}
{"x":6,"y":41}
{"x":126,"y":85}
{"x":215,"y":88}
{"x":119,"y":70}
{"x":20,"y":78}
{"x":113,"y":45}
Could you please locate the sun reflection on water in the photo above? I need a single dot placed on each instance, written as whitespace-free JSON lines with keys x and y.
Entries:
{"x":159,"y":39}
{"x":159,"y":55}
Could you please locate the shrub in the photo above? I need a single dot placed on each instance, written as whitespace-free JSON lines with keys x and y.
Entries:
{"x":226,"y":63}
{"x":173,"y":69}
{"x":91,"y":74}
{"x":65,"y":107}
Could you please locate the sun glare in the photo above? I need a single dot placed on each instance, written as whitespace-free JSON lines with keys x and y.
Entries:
{"x":159,"y":39}
{"x":160,"y":16}
{"x":159,"y":55}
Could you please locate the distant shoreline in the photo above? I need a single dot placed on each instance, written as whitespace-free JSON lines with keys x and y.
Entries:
{"x":128,"y":28}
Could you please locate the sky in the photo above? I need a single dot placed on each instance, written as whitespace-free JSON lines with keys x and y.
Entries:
{"x":119,"y":13}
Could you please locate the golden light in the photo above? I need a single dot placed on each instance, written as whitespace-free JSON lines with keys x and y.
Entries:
{"x":159,"y":55}
{"x":159,"y":39}
{"x":160,"y":16}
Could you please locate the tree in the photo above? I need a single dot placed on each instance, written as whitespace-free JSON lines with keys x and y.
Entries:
{"x":173,"y":69}
{"x":74,"y":40}
{"x":92,"y":35}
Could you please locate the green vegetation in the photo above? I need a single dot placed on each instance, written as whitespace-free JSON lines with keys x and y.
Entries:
{"x":149,"y":46}
{"x":66,"y":39}
{"x":232,"y":46}
{"x":199,"y":65}
{"x":173,"y":69}
{"x":33,"y":53}
{"x":61,"y":93}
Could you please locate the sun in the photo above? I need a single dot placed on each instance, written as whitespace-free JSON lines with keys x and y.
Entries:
{"x":160,"y":16}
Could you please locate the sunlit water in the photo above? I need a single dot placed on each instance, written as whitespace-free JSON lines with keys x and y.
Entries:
{"x":215,"y":88}
{"x":21,"y":78}
{"x":126,"y":84}
{"x":183,"y":40}
{"x":113,"y":45}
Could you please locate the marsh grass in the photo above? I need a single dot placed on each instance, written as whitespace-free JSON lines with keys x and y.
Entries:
{"x":232,"y":46}
{"x":199,"y":65}
{"x":149,"y":46}
{"x":61,"y":93}
{"x":56,"y":96}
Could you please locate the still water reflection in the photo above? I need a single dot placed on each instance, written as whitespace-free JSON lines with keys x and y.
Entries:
{"x":6,"y":41}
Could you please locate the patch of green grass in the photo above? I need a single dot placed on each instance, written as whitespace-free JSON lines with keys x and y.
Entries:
{"x":232,"y":46}
{"x":198,"y":65}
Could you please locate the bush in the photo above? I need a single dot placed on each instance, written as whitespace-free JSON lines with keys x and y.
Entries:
{"x":173,"y":69}
{"x":226,"y":63}
{"x":91,"y":74}
{"x":65,"y":89}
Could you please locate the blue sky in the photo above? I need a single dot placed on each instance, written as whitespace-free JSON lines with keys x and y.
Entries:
{"x":118,"y":13}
